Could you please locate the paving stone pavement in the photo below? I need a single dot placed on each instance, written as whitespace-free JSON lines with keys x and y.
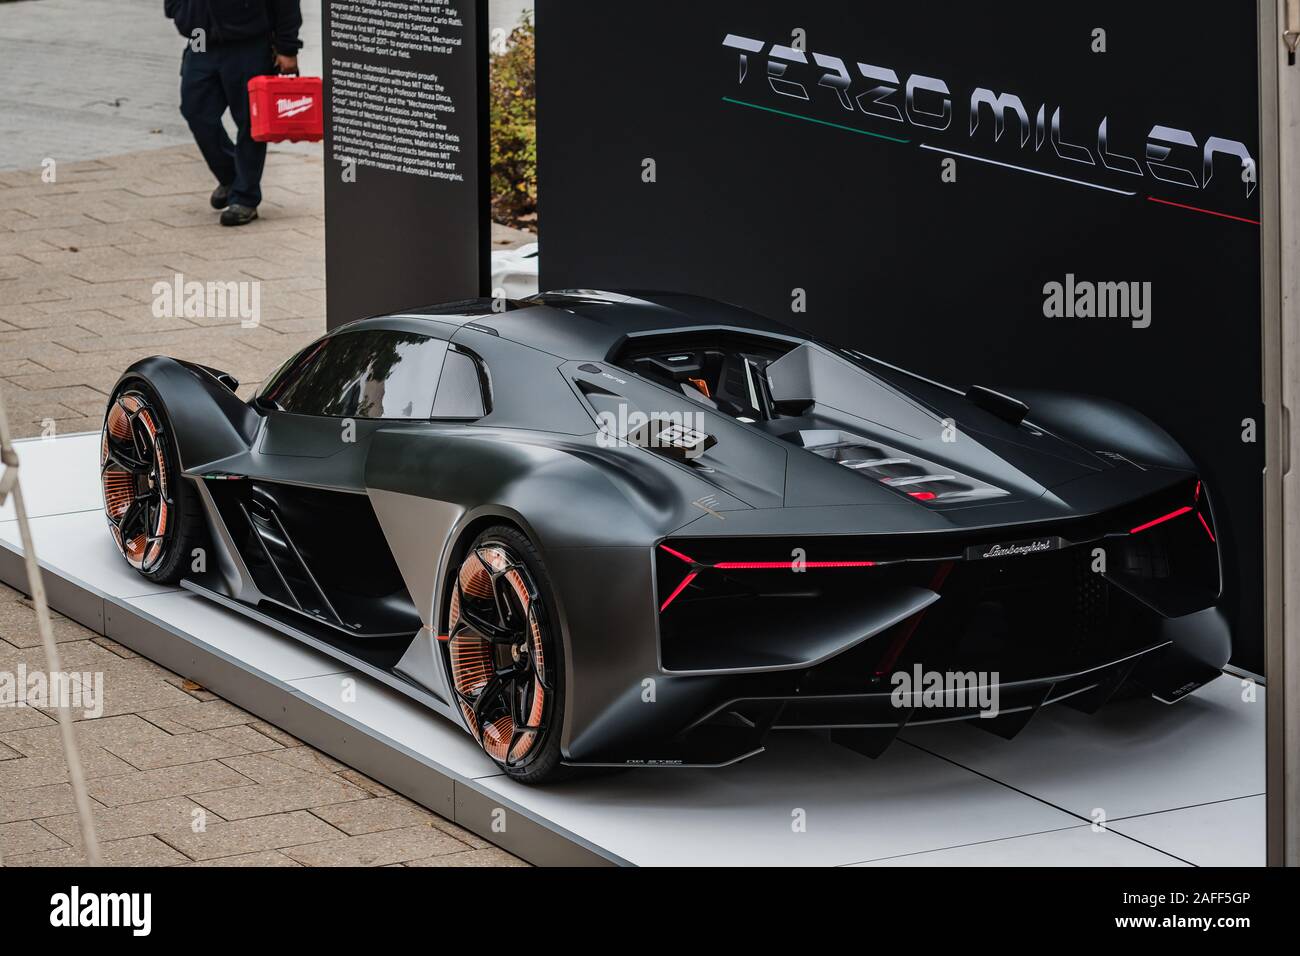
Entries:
{"x":187,"y":779}
{"x":80,"y":259}
{"x":83,"y":260}
{"x":92,"y":84}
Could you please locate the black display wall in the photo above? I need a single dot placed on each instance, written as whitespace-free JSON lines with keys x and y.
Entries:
{"x":406,"y":147}
{"x":781,"y":165}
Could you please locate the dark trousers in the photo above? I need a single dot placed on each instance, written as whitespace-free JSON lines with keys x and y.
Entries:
{"x":216,"y":80}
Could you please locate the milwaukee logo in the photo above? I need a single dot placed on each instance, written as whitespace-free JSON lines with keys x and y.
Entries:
{"x":1013,"y":549}
{"x":285,"y":107}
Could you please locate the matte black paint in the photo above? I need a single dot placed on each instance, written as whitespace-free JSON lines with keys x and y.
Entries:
{"x":597,"y":510}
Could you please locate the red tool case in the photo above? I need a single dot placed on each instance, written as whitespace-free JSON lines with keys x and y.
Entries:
{"x":286,"y":108}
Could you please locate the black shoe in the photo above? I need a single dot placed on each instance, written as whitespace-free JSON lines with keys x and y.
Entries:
{"x":220,"y":197}
{"x":238,"y":215}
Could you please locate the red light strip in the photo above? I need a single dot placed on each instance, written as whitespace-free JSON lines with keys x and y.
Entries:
{"x":923,"y":495}
{"x":777,"y":565}
{"x":677,"y":554}
{"x":765,"y":565}
{"x":1197,"y":495}
{"x":1205,"y":525}
{"x":678,"y":590}
{"x":1161,"y":520}
{"x":1208,"y":212}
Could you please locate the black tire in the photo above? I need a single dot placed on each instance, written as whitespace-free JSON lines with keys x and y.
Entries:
{"x":540,"y":761}
{"x":185,"y":526}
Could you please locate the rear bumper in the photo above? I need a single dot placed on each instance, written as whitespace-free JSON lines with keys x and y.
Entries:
{"x":912,"y":702}
{"x":737,"y":727}
{"x":1190,"y":652}
{"x":745,"y":647}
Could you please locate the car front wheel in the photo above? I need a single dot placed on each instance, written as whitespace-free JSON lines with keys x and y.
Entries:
{"x":153,"y":514}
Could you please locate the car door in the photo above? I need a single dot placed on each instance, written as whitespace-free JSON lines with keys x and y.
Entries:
{"x":300,"y":517}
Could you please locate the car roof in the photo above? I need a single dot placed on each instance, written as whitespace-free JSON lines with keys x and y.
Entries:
{"x":585,"y":323}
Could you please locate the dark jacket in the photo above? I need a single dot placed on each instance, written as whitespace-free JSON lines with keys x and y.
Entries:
{"x":225,"y":21}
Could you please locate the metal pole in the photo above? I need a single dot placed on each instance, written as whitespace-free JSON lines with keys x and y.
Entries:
{"x":1288,"y":96}
{"x":1279,"y":187}
{"x":10,"y":485}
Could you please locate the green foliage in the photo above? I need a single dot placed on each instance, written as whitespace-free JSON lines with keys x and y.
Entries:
{"x":513,"y":87}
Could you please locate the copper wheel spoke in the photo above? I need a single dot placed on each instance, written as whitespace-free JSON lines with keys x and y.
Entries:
{"x":487,"y":630}
{"x":495,"y":650}
{"x":135,"y":514}
{"x":127,"y":463}
{"x":141,"y":440}
{"x":490,"y":693}
{"x":509,"y":610}
{"x":134,"y":477}
{"x":539,"y":673}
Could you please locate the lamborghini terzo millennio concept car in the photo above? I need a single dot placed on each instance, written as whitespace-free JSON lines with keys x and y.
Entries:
{"x":641,"y":529}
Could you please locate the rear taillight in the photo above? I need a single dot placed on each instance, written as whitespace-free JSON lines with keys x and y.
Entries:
{"x":677,"y":590}
{"x":1169,"y":557}
{"x":1200,"y":507}
{"x":681,"y":567}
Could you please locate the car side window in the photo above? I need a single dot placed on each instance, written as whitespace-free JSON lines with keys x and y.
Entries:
{"x":460,"y":390}
{"x":365,"y":374}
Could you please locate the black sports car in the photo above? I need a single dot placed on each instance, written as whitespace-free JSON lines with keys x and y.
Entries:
{"x":642,"y":529}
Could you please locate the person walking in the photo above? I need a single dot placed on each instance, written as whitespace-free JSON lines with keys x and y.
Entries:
{"x":228,"y":42}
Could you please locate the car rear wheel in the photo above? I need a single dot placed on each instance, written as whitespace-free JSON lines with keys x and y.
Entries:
{"x":154,"y":515}
{"x":505,"y":658}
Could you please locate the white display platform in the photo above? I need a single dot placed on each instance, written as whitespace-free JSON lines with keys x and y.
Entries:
{"x":1177,"y":785}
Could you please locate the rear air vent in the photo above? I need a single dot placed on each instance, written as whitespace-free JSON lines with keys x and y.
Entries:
{"x":602,"y":401}
{"x":902,"y":471}
{"x":1003,"y":406}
